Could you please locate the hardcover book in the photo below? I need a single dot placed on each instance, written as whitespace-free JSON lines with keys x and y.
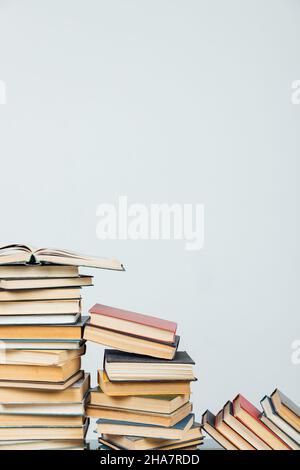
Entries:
{"x":145,"y":417}
{"x":142,"y":388}
{"x":48,"y":332}
{"x":208,"y":424}
{"x":286,"y":408}
{"x":40,"y":307}
{"x":65,"y":293}
{"x":278,"y":425}
{"x":42,"y":409}
{"x":178,"y":431}
{"x":234,"y":437}
{"x":39,"y":357}
{"x":245,"y":412}
{"x":41,"y":344}
{"x":37,"y":373}
{"x":43,"y":432}
{"x":241,"y":429}
{"x":60,"y":319}
{"x":130,"y":343}
{"x":42,"y":385}
{"x":36,"y":420}
{"x":122,"y":366}
{"x":133,"y":323}
{"x":193,"y":435}
{"x":32,"y":271}
{"x":71,"y":444}
{"x":74,"y":393}
{"x":45,"y":283}
{"x":153,"y":403}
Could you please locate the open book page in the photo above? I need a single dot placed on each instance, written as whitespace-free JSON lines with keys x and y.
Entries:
{"x":15,"y":253}
{"x":18,"y":253}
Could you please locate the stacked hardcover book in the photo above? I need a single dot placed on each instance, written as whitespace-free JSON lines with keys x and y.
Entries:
{"x":142,"y":401}
{"x":241,"y":426}
{"x":43,"y":390}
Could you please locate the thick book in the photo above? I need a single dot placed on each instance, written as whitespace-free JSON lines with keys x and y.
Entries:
{"x":18,"y":253}
{"x":119,"y":427}
{"x":241,"y":429}
{"x":46,"y":283}
{"x":41,"y":409}
{"x":60,"y":319}
{"x":145,"y":417}
{"x":39,"y":357}
{"x":230,"y":434}
{"x":142,"y":388}
{"x":193,"y":435}
{"x":26,"y":419}
{"x":75,"y":393}
{"x":48,"y":332}
{"x":250,"y":416}
{"x":43,"y":432}
{"x":42,"y":385}
{"x":130,"y":343}
{"x":284,"y":437}
{"x":32,"y":271}
{"x":286,"y":408}
{"x":154,"y":403}
{"x":65,"y":293}
{"x":208,"y":424}
{"x":122,"y":366}
{"x":40,"y":307}
{"x":34,"y":373}
{"x":278,"y":425}
{"x":133,"y":323}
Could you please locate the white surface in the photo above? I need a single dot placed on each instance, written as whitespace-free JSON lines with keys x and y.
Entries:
{"x":166,"y":101}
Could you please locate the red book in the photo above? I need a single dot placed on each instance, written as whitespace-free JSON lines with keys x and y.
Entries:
{"x":247,"y":414}
{"x":133,"y":323}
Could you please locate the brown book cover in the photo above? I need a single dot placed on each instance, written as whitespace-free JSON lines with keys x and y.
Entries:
{"x":142,"y":388}
{"x":250,"y":416}
{"x":139,"y":318}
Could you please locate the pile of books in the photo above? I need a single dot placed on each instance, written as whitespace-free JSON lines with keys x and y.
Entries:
{"x":142,"y":401}
{"x":43,"y":390}
{"x":241,"y":426}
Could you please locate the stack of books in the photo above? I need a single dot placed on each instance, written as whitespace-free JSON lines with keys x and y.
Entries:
{"x":241,"y":426}
{"x":142,"y":401}
{"x":43,"y":390}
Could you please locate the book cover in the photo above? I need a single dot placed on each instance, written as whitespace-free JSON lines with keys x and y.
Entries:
{"x":181,"y":425}
{"x":281,"y":399}
{"x":261,"y":429}
{"x":113,"y":355}
{"x":140,"y":318}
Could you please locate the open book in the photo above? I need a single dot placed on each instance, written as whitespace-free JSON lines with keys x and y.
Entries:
{"x":18,"y":253}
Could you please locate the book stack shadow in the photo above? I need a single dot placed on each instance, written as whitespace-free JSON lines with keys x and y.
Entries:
{"x":142,"y":401}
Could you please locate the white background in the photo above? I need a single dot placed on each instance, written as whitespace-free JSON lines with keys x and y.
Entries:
{"x":166,"y":101}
